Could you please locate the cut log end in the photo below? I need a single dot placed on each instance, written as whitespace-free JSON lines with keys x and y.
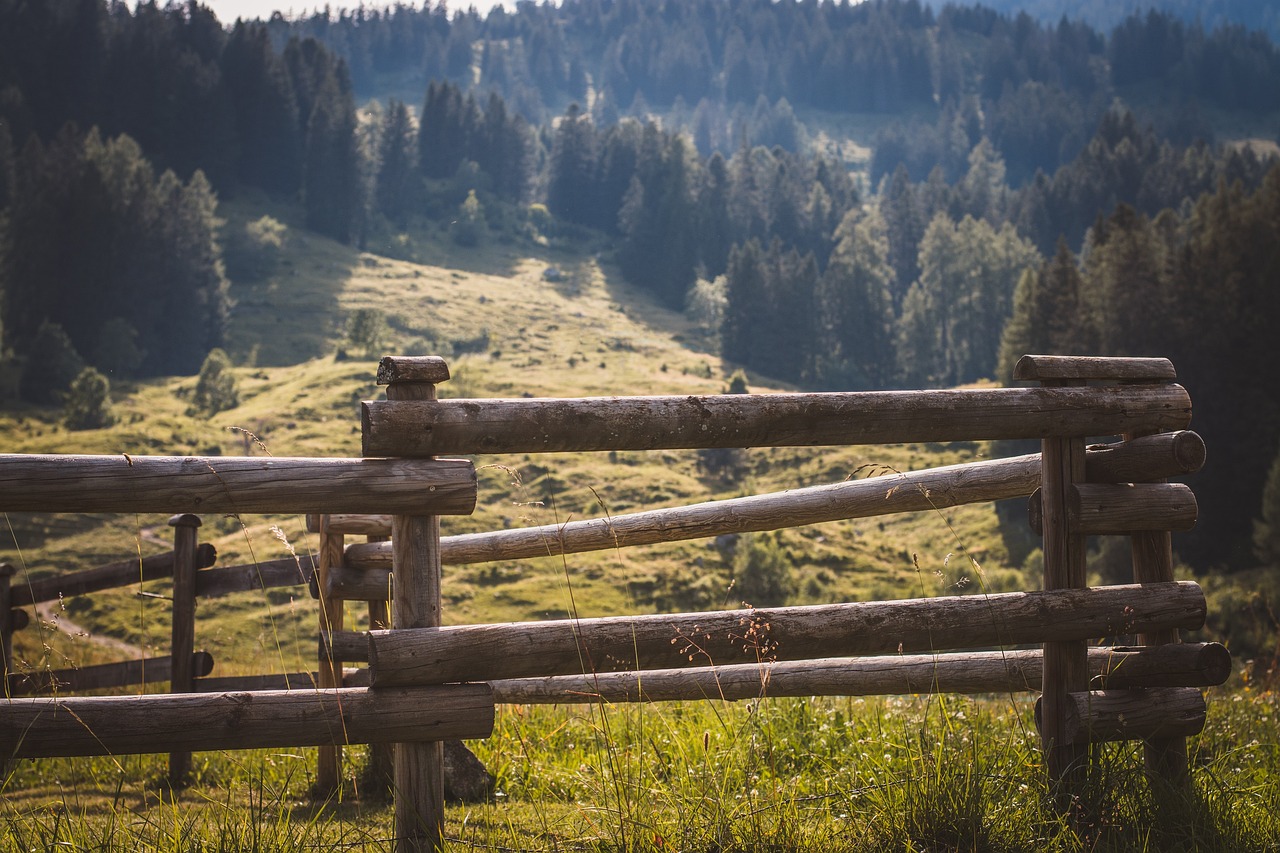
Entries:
{"x":428,"y":368}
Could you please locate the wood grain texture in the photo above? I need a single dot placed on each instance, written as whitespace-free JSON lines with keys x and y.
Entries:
{"x":121,"y":725}
{"x":682,"y":640}
{"x":423,"y":428}
{"x":186,"y":528}
{"x":109,"y":576}
{"x":1152,"y":555}
{"x":229,"y":484}
{"x":1123,"y":508}
{"x":430,"y":369}
{"x":1058,"y":367}
{"x":329,"y":666}
{"x":418,"y":768}
{"x":352,"y":524}
{"x":1145,"y":459}
{"x":1065,"y":659}
{"x":1102,"y":716}
{"x":908,"y":492}
{"x":268,"y":574}
{"x":967,"y":672}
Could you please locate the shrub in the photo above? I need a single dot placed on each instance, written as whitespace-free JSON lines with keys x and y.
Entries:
{"x":762,"y":571}
{"x":88,"y":404}
{"x":366,"y":329}
{"x":52,"y":365}
{"x":216,"y":388}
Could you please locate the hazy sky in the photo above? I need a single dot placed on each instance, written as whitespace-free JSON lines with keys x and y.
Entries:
{"x":229,"y":10}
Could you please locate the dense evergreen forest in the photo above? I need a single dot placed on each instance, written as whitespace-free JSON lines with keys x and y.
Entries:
{"x":1030,"y":186}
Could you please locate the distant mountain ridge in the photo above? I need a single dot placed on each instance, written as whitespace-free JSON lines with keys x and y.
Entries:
{"x":1106,"y":15}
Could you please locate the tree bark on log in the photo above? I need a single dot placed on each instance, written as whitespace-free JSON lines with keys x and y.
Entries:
{"x":428,"y":428}
{"x":682,"y":640}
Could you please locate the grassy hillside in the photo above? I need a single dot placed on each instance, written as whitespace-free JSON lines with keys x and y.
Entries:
{"x":506,"y":332}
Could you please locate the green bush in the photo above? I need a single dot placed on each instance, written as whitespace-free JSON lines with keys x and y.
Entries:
{"x":88,"y":403}
{"x":216,"y":388}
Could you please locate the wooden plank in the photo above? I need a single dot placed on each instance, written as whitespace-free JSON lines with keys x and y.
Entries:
{"x":426,"y":428}
{"x":1070,"y":367}
{"x":1102,"y":716}
{"x":1123,"y":508}
{"x":122,"y":725}
{"x":229,"y":484}
{"x":110,"y":576}
{"x":269,"y":574}
{"x":104,"y":676}
{"x":968,"y":672}
{"x":683,"y":640}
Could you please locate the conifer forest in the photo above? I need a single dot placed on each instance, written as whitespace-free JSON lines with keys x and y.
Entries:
{"x":852,"y":196}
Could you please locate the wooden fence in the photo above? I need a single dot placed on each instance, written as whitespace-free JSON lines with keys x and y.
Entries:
{"x":1148,"y":691}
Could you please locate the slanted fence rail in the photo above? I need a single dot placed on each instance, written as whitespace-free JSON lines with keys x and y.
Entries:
{"x":1148,"y":690}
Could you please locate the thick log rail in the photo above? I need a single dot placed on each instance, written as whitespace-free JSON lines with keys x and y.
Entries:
{"x":402,"y":488}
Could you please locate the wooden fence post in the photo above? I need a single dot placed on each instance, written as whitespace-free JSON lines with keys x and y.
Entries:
{"x":1062,"y":466}
{"x":6,"y":622}
{"x":415,"y":541}
{"x":329,"y":672}
{"x":182,"y":675}
{"x":380,"y":774}
{"x":1165,"y":758}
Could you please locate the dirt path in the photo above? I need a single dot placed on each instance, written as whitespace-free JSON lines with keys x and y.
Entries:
{"x":56,"y":619}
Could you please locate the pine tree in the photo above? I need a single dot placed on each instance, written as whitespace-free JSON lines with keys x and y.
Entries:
{"x":397,"y":175}
{"x":331,"y":167}
{"x":216,"y":386}
{"x":855,"y":303}
{"x":571,"y":181}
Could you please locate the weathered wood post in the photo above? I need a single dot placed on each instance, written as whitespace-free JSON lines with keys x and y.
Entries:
{"x":329,"y":672}
{"x":6,"y":622}
{"x":415,"y":603}
{"x":381,"y":768}
{"x":1165,"y":758}
{"x":1065,"y":663}
{"x":181,"y":672}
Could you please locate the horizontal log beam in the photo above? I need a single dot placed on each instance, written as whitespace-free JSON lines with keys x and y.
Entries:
{"x":1103,"y":716}
{"x":349,"y":646}
{"x":574,"y":646}
{"x":1145,"y":459}
{"x":969,"y":672}
{"x":1123,"y":508}
{"x":104,"y":675}
{"x":229,"y":484}
{"x":1158,"y":456}
{"x":269,"y":574}
{"x":425,"y":428}
{"x":410,"y":368}
{"x":121,"y":725}
{"x":351,"y":677}
{"x":351,"y":524}
{"x":914,"y":491}
{"x":1043,"y":368}
{"x":110,"y":576}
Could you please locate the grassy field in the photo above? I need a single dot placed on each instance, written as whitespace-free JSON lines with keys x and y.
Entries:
{"x":906,"y":774}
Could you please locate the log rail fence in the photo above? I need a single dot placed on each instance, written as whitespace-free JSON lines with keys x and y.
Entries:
{"x":426,"y":683}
